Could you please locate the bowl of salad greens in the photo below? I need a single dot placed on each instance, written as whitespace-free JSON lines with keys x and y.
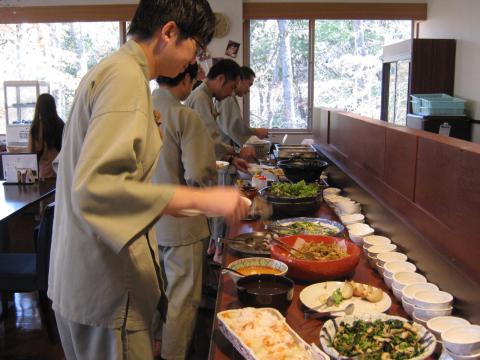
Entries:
{"x":376,"y":337}
{"x":292,"y":199}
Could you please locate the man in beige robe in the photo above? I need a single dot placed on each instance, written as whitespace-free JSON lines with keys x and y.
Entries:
{"x":188,"y":158}
{"x":233,"y":129}
{"x":104,"y":278}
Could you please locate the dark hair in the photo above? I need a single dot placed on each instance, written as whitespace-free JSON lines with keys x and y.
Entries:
{"x":47,"y":119}
{"x":194,"y":18}
{"x":229,"y":68}
{"x":246,"y":73}
{"x":191,"y":70}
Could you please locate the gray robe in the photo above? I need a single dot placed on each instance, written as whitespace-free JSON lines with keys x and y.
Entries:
{"x":233,"y":128}
{"x":104,"y":253}
{"x":201,"y":100}
{"x":187,"y":158}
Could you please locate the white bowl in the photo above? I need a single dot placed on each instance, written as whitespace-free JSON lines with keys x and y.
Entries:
{"x":388,"y":280}
{"x":255,"y":261}
{"x":418,"y":319}
{"x":431,"y":313}
{"x":409,"y":291}
{"x":379,"y":249}
{"x":433,"y":299}
{"x":462,"y":357}
{"x":349,"y":219}
{"x":407,"y":306}
{"x":462,"y":340}
{"x":439,"y":324}
{"x":393,"y":267}
{"x":383,"y":258}
{"x":397,"y":292}
{"x":404,"y":278}
{"x":347,"y":207}
{"x":332,"y":191}
{"x":372,"y":240}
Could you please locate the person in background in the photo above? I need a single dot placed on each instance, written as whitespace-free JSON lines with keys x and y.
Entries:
{"x":233,"y":128}
{"x":45,"y":137}
{"x":221,"y":80}
{"x":182,"y":239}
{"x":104,"y":280}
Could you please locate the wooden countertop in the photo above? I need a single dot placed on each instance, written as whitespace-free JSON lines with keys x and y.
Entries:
{"x":309,"y":330}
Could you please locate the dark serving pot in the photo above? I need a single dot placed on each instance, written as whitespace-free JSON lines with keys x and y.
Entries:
{"x":265,"y":290}
{"x":292,"y":207}
{"x":297,"y":169}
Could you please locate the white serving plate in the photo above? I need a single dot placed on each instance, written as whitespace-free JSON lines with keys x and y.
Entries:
{"x":247,"y":352}
{"x":312,"y":296}
{"x":195,"y":212}
{"x":329,"y":330}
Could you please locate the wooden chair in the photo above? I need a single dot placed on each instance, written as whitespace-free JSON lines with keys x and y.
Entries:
{"x":28,"y":272}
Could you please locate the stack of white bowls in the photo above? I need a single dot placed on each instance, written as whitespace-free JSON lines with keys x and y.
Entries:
{"x":347,"y":206}
{"x":350,"y":219}
{"x":358,"y":231}
{"x":462,"y":342}
{"x":439,"y":324}
{"x":431,"y":303}
{"x":384,"y":258}
{"x":374,"y":251}
{"x":402,"y":279}
{"x":408,"y":295}
{"x":393,"y":267}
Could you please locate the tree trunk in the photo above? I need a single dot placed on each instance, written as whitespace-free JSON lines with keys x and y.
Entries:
{"x":287,"y":74}
{"x":359,"y":38}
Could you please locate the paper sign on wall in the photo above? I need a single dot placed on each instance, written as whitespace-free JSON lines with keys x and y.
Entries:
{"x":20,"y":168}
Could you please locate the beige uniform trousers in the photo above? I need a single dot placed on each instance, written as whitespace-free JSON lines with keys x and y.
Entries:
{"x":84,"y":342}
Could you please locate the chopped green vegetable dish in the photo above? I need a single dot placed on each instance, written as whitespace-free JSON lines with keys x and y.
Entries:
{"x":297,"y":190}
{"x":305,"y":227}
{"x":378,"y":340}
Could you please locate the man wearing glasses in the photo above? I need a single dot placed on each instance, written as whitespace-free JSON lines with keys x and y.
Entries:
{"x":104,"y":280}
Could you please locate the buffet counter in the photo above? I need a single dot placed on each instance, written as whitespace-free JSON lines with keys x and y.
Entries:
{"x":309,"y":330}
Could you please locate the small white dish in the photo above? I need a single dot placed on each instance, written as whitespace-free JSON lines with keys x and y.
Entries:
{"x":433,"y":299}
{"x":331,"y":191}
{"x":404,"y":278}
{"x":462,"y":340}
{"x":372,"y":240}
{"x":439,"y":324}
{"x":347,"y":207}
{"x":409,"y":291}
{"x":393,"y":267}
{"x":407,"y":306}
{"x":378,"y":249}
{"x":431,"y":313}
{"x":350,"y":219}
{"x":383,"y":258}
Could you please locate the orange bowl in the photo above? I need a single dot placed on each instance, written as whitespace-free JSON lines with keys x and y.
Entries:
{"x":317,"y":270}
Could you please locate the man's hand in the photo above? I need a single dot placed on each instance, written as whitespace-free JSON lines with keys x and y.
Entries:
{"x":247,"y":152}
{"x":261,"y":133}
{"x":240,"y":164}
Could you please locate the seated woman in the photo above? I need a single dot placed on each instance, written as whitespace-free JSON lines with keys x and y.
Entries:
{"x":46,"y":135}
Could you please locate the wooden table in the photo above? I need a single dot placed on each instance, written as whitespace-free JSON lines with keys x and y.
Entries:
{"x":309,"y":330}
{"x":16,"y":197}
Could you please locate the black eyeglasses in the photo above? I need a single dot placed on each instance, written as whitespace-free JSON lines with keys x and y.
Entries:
{"x":200,"y":48}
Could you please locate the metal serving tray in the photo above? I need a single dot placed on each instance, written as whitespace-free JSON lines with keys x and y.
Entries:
{"x":287,"y":151}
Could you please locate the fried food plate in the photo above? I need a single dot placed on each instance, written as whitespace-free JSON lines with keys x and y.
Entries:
{"x":316,"y":294}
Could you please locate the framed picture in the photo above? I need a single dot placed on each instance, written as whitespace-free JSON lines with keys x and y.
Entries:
{"x":20,"y":168}
{"x":232,"y":49}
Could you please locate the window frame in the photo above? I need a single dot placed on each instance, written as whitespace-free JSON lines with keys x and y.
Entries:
{"x":320,"y":11}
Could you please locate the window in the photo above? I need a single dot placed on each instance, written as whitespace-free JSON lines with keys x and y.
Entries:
{"x":345,"y":70}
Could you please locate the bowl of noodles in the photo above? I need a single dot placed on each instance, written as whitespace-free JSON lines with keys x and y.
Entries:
{"x":334,"y":258}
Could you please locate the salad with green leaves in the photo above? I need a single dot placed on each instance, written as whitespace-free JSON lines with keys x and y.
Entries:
{"x":298,"y":190}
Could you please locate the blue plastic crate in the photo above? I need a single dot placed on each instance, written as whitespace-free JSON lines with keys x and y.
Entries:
{"x":437,"y":104}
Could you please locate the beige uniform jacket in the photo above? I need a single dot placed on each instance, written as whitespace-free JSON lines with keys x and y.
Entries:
{"x":201,"y":100}
{"x":187,"y":158}
{"x":232,"y":126}
{"x":104,"y":252}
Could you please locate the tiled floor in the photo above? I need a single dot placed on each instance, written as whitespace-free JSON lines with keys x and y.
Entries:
{"x":22,"y":336}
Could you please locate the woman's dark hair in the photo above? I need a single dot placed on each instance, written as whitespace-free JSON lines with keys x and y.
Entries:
{"x":47,"y":120}
{"x":194,"y":18}
{"x":229,"y":68}
{"x":191,"y":70}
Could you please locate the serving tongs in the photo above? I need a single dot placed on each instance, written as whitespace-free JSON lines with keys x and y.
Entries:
{"x":289,"y":249}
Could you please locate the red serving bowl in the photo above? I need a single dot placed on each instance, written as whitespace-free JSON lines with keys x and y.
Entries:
{"x":317,"y":270}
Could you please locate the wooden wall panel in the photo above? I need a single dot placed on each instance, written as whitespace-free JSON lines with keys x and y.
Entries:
{"x":321,"y":125}
{"x":400,"y":160}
